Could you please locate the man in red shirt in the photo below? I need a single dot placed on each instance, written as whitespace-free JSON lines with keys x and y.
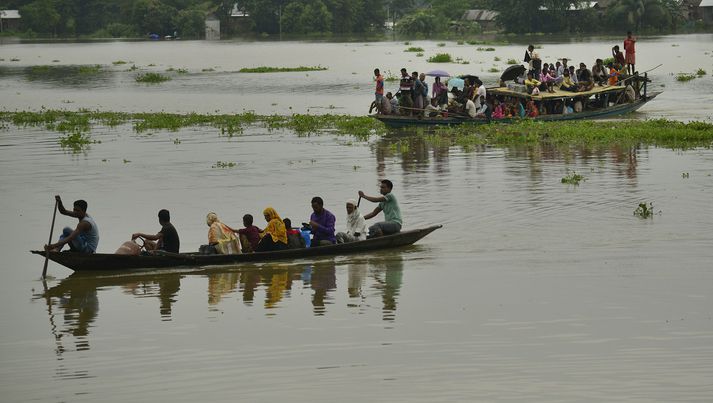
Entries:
{"x":379,"y":93}
{"x":630,"y":49}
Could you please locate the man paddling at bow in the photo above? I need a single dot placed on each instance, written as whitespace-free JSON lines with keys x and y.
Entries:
{"x":85,"y":237}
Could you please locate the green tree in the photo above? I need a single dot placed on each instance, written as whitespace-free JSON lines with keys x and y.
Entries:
{"x":190,"y":23}
{"x":40,"y":16}
{"x":422,"y":22}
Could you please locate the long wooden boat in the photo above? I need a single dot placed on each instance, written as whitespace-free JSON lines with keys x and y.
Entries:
{"x":618,"y":109}
{"x":164,"y":260}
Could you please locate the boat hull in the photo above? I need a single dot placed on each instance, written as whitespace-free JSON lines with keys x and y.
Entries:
{"x":113,"y":262}
{"x":396,"y":121}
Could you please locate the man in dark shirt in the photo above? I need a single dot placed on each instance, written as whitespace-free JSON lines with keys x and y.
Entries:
{"x":584,"y":78}
{"x":166,"y":239}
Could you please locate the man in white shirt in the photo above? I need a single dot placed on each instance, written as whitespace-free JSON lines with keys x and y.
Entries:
{"x":480,"y":93}
{"x":483,"y":109}
{"x":432,"y":109}
{"x":470,"y":109}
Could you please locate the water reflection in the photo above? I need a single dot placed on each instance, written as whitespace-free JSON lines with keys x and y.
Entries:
{"x":418,"y":149}
{"x":73,"y":304}
{"x":64,"y":76}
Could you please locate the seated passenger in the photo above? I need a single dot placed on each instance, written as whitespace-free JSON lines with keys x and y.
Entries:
{"x":221,"y":238}
{"x":356,"y":225}
{"x":249,"y":235}
{"x":531,"y":83}
{"x":294,"y":236}
{"x":532,"y":109}
{"x":484,"y":112}
{"x":322,"y":223}
{"x":572,"y":74}
{"x":166,"y":239}
{"x":390,"y":206}
{"x":432,"y":108}
{"x":599,"y":73}
{"x":394,"y":103}
{"x":613,"y":74}
{"x":498,"y":110}
{"x":274,"y":237}
{"x":584,"y":78}
{"x":567,"y":83}
{"x":470,"y":108}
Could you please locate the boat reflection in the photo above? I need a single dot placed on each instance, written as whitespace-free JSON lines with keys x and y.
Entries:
{"x":73,"y":304}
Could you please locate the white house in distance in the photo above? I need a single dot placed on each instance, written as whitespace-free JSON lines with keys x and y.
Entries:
{"x":9,"y":20}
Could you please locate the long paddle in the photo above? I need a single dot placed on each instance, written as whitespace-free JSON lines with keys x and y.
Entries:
{"x":358,"y":201}
{"x":47,"y":252}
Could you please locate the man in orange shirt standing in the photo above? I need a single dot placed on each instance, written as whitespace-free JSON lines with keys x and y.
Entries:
{"x":630,"y":49}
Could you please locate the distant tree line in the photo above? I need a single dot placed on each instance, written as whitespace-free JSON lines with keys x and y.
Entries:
{"x":135,"y":18}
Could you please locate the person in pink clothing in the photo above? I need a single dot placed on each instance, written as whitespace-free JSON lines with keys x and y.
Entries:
{"x":630,"y":49}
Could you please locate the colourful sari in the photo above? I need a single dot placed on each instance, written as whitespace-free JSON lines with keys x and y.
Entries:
{"x":275,"y":227}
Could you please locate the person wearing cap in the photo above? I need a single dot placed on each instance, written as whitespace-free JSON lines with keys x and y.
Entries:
{"x":356,"y":225}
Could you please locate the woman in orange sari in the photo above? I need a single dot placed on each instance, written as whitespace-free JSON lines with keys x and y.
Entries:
{"x":274,"y":237}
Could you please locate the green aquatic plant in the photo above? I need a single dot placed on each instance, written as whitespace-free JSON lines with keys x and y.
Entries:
{"x":441,"y":44}
{"x":224,"y":164}
{"x":497,"y":59}
{"x":76,"y":141}
{"x":92,"y":69}
{"x":683,"y":77}
{"x":118,"y":62}
{"x":485,"y":49}
{"x":573,"y":178}
{"x":266,"y":69}
{"x":151,"y":78}
{"x":685,"y":175}
{"x":512,"y":61}
{"x":419,"y":54}
{"x":493,"y":70}
{"x":440,"y":58}
{"x":645,"y":211}
{"x":414,"y":49}
{"x":701,"y":72}
{"x":182,"y":71}
{"x":208,"y":70}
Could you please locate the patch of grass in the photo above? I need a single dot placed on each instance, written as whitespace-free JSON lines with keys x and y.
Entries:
{"x":645,"y":211}
{"x":118,"y":62}
{"x":485,"y":49}
{"x":440,"y":45}
{"x":497,"y":59}
{"x":493,"y":70}
{"x":407,"y":43}
{"x":266,"y":69}
{"x":208,"y":70}
{"x":151,"y":78}
{"x":512,"y":61}
{"x":419,"y":54}
{"x":701,"y":72}
{"x":414,"y":49}
{"x":573,"y":178}
{"x":182,"y":71}
{"x":683,"y":77}
{"x":389,"y":76}
{"x":440,"y":58}
{"x":14,"y":59}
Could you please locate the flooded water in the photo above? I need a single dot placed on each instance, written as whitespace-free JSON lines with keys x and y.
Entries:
{"x":533,"y":290}
{"x":209,"y":81}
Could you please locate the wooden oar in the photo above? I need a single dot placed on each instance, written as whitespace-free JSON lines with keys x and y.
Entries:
{"x":47,"y":251}
{"x":358,"y":201}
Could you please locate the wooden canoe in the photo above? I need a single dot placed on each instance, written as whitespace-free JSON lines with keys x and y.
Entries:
{"x":165,"y":260}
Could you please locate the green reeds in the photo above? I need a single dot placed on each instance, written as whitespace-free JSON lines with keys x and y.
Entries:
{"x":267,"y":69}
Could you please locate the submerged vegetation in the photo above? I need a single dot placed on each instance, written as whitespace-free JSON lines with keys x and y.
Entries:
{"x":414,"y":49}
{"x":151,"y":78}
{"x":661,"y":133}
{"x":267,"y":69}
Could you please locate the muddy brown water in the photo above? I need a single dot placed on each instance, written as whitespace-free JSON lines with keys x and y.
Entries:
{"x":533,"y":290}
